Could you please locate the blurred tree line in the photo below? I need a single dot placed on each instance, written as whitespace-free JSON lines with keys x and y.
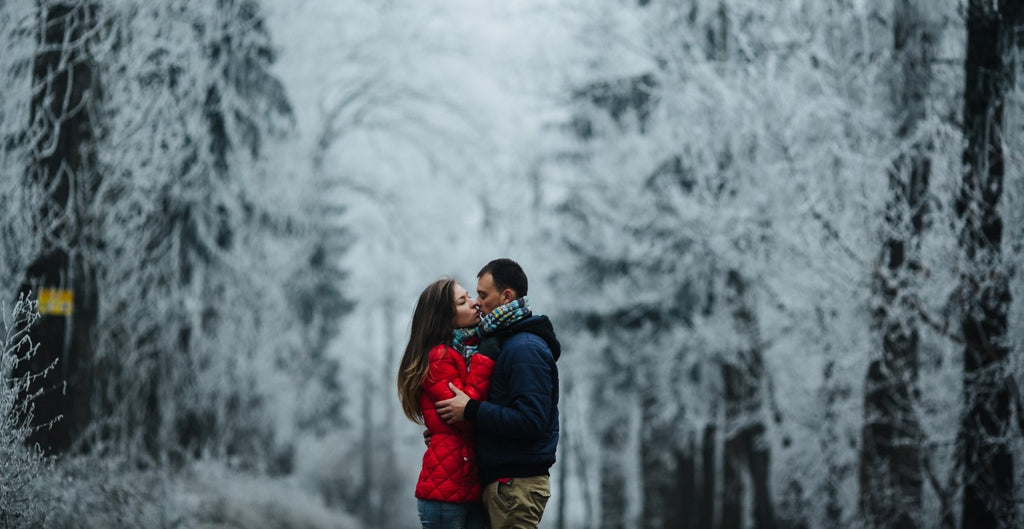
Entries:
{"x":787,"y":229}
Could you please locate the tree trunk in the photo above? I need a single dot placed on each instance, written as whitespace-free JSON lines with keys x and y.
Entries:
{"x":706,"y":497}
{"x":746,"y":451}
{"x":618,"y":447}
{"x":831,"y":442}
{"x":733,"y":492}
{"x":684,"y":515}
{"x":985,"y":440}
{"x":391,"y":486}
{"x":890,"y":468}
{"x":747,"y":459}
{"x":759,"y":463}
{"x":563,"y":480}
{"x":666,"y":489}
{"x":614,"y":497}
{"x":63,"y":165}
{"x":366,"y":504}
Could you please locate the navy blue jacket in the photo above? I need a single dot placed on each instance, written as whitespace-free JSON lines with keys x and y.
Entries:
{"x":517,"y":426}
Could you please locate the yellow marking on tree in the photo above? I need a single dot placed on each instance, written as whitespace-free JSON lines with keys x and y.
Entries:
{"x":56,"y":301}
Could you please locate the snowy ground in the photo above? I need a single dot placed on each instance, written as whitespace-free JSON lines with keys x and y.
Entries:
{"x":206,"y":496}
{"x":224,"y":501}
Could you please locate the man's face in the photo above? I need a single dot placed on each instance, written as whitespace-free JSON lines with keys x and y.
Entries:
{"x":489,"y":296}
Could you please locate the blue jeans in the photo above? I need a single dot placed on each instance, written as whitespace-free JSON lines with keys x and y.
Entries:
{"x":447,"y":515}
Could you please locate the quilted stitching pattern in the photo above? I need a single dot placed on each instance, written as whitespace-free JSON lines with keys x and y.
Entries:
{"x":449,"y":471}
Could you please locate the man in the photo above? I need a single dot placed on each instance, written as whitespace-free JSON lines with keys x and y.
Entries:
{"x":517,"y":427}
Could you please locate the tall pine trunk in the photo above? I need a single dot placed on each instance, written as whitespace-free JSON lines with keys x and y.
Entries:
{"x":707,"y":500}
{"x":747,"y":457}
{"x":615,"y":464}
{"x":985,"y":440}
{"x":667,"y":480}
{"x":63,"y":165}
{"x":890,"y":468}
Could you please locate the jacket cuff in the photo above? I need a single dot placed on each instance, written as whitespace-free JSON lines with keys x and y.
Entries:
{"x":472,"y":407}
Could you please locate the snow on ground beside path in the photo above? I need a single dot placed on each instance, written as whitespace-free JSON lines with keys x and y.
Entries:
{"x":227,"y":500}
{"x":96,"y":494}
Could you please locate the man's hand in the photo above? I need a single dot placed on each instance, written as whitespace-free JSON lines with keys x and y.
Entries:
{"x":453,"y":409}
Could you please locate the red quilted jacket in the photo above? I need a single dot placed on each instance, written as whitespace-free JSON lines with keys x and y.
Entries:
{"x":449,"y":470}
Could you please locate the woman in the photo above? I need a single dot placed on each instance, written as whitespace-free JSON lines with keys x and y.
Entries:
{"x":441,"y":349}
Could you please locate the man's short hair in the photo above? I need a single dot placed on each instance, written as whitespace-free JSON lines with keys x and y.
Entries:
{"x":507,"y":274}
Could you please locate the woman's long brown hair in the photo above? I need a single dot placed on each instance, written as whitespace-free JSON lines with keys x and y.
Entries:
{"x":431,"y":325}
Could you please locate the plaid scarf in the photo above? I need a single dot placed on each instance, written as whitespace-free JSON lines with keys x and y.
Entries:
{"x":505,"y":315}
{"x":465,"y":342}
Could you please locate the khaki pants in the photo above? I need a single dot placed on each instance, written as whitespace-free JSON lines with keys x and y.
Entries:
{"x":518,"y":504}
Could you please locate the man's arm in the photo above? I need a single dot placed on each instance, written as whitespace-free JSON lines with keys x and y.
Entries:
{"x":454,"y":409}
{"x":481,"y":366}
{"x":528,"y":416}
{"x":531,"y":380}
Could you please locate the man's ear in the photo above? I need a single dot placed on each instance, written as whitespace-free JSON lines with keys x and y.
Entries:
{"x":507,"y":295}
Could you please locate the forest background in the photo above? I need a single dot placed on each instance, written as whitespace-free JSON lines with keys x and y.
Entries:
{"x":780,"y":242}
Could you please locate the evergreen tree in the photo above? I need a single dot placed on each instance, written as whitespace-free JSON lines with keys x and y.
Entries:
{"x":197,"y":238}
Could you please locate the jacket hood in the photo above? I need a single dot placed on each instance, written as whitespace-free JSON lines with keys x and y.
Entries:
{"x":540,"y":326}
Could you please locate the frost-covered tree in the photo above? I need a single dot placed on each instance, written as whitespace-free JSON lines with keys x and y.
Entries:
{"x":724,"y":148}
{"x":195,"y":323}
{"x":19,"y":211}
{"x":189,"y":234}
{"x":159,"y":256}
{"x":60,"y":171}
{"x":22,"y":464}
{"x":891,"y":463}
{"x":691,"y":240}
{"x":986,"y":454}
